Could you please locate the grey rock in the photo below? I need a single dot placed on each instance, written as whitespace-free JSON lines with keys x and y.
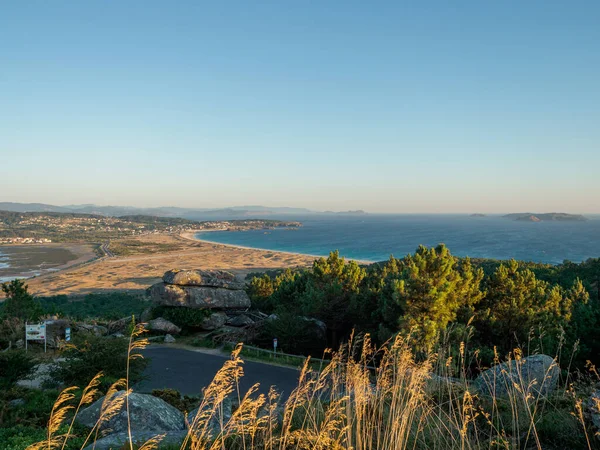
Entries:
{"x":535,"y":374}
{"x":594,"y":406}
{"x":55,"y":331}
{"x":17,"y":402}
{"x":169,"y":339}
{"x":118,"y":440}
{"x":199,"y":297}
{"x":240,"y":321}
{"x":214,"y":321}
{"x":147,"y":413}
{"x":41,"y":375}
{"x":97,"y":330}
{"x":117,"y":335}
{"x":20,"y":343}
{"x":204,"y":278}
{"x":164,"y":326}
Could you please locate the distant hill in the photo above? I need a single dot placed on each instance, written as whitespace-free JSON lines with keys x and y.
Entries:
{"x":31,"y":207}
{"x":546,"y":217}
{"x":167,"y":211}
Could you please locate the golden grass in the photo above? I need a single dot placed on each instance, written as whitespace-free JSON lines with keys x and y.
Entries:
{"x":347,"y":405}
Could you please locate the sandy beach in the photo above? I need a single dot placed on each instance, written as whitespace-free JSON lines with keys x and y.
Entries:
{"x":148,"y":257}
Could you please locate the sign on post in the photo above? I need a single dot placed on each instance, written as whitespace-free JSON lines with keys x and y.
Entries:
{"x":35,"y":332}
{"x":275,"y":345}
{"x":67,"y":334}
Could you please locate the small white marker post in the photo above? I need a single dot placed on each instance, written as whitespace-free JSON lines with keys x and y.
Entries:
{"x":275,"y":346}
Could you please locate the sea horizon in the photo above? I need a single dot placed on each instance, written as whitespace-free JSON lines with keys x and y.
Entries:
{"x":374,"y":237}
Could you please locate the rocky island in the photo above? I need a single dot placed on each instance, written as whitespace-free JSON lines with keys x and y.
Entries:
{"x":546,"y":217}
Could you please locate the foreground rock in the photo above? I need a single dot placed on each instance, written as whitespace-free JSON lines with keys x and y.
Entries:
{"x":163,"y":326}
{"x":535,"y":374}
{"x":147,"y":413}
{"x":198,"y":297}
{"x":118,"y":440}
{"x":204,"y":278}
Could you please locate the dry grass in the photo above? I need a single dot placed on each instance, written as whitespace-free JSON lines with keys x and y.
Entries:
{"x":350,"y":405}
{"x":153,"y":256}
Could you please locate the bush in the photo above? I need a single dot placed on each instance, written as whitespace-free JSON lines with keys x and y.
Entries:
{"x":19,"y":302}
{"x":93,"y":354}
{"x":14,"y":366}
{"x":111,"y":306}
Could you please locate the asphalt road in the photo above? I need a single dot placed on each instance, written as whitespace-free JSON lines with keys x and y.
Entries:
{"x":189,"y":371}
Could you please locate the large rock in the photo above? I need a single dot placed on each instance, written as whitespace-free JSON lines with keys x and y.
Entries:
{"x":594,"y":405}
{"x":198,"y":297}
{"x":55,"y":331}
{"x":118,"y":440}
{"x":204,"y":278}
{"x":535,"y":374}
{"x":147,"y":413}
{"x":214,"y":321}
{"x":163,"y":326}
{"x":97,"y":330}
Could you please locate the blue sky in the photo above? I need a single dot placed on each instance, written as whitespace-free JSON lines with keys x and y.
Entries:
{"x":383,"y":106}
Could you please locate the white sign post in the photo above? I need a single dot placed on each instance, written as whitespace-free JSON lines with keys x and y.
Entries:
{"x":67,"y":334}
{"x":35,"y":332}
{"x":275,"y":345}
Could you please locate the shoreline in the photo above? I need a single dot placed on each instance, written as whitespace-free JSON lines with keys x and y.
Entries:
{"x":190,"y":235}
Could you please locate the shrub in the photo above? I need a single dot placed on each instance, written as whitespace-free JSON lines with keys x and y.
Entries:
{"x":173,"y":397}
{"x":90,"y":355}
{"x":19,"y":302}
{"x":14,"y":366}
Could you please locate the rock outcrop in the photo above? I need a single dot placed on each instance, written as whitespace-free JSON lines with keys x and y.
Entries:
{"x":204,"y":278}
{"x":147,"y":413}
{"x":535,"y":374}
{"x":200,"y":289}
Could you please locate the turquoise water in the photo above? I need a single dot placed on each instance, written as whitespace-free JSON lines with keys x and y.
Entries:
{"x":375,"y":237}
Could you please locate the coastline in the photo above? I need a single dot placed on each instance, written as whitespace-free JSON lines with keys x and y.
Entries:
{"x":191,"y":235}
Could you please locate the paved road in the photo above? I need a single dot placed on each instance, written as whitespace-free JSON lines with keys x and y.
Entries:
{"x":189,"y":371}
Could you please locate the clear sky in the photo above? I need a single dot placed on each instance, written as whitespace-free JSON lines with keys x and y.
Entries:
{"x":447,"y":106}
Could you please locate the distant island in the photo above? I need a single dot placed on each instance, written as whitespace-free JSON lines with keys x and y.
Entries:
{"x":546,"y":217}
{"x":478,"y":215}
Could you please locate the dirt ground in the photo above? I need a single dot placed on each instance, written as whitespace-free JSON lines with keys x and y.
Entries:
{"x":140,"y":268}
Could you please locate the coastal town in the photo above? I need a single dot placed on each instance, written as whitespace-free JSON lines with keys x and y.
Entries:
{"x":44,"y":228}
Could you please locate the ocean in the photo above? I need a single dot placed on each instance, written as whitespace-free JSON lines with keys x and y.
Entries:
{"x":374,"y":237}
